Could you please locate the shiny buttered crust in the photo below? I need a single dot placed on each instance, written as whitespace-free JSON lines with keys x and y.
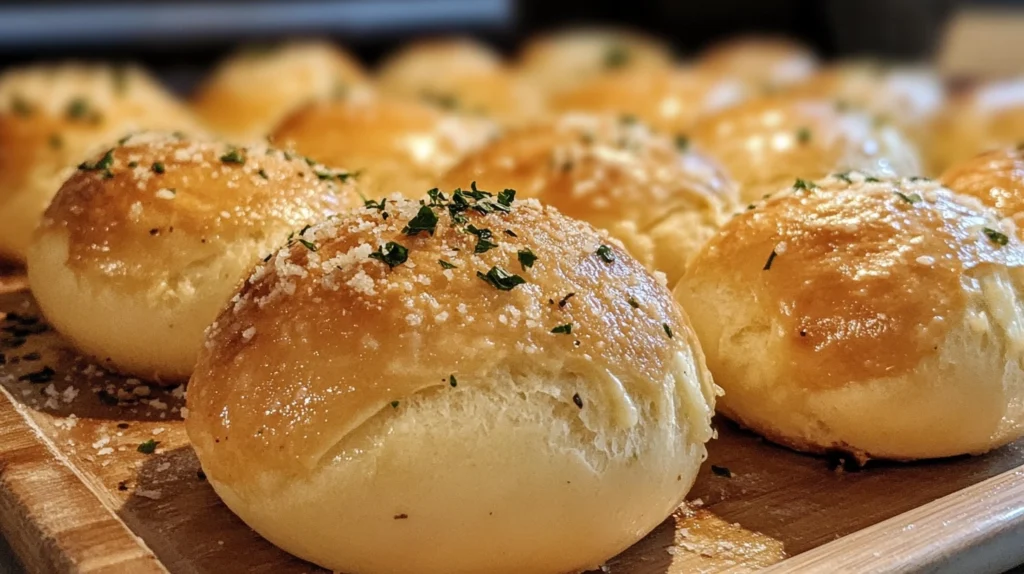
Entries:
{"x":661,"y":201}
{"x":669,"y":101}
{"x":766,"y":144}
{"x":995,"y":178}
{"x":906,"y":96}
{"x":145,"y":243}
{"x":252,"y":91}
{"x":395,"y":145}
{"x":462,"y":76}
{"x":763,"y":63}
{"x":878,"y":318}
{"x":53,"y":117}
{"x":562,"y":60}
{"x":989,"y":117}
{"x":480,"y":381}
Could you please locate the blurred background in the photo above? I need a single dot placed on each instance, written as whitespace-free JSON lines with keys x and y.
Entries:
{"x":179,"y":38}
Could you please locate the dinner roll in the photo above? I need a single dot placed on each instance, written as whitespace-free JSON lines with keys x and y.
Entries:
{"x":763,"y":63}
{"x":485,"y":401}
{"x":668,"y":101}
{"x":995,"y":178}
{"x":254,"y":89}
{"x":663,"y":202}
{"x":866,"y":316}
{"x":987,"y":117}
{"x":767,"y":143}
{"x":395,"y":145}
{"x":54,"y":116}
{"x":563,"y":59}
{"x":463,"y":76}
{"x":146,"y":242}
{"x":908,"y":97}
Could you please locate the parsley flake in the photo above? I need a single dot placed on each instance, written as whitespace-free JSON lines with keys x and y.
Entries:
{"x":577,"y":400}
{"x":633,"y":303}
{"x":148,"y":447}
{"x":995,"y":236}
{"x":451,"y":381}
{"x":722,"y":471}
{"x":425,"y":220}
{"x":682,"y":142}
{"x":605,"y":253}
{"x":526,"y":258}
{"x":771,"y":258}
{"x":668,"y":330}
{"x":501,"y":279}
{"x":158,"y":167}
{"x":21,"y":107}
{"x":844,"y":176}
{"x":617,"y":56}
{"x":235,"y":156}
{"x":803,"y":135}
{"x":445,"y":265}
{"x":804,"y":184}
{"x":394,"y":404}
{"x":55,"y":141}
{"x":911,"y":199}
{"x":103,"y":164}
{"x":263,"y":173}
{"x":506,"y":197}
{"x":308,"y":245}
{"x":392,"y":254}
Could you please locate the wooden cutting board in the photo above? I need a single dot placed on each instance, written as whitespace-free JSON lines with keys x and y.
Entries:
{"x":77,"y":495}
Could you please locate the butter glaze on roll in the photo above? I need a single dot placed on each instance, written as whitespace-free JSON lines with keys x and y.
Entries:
{"x":766,"y":144}
{"x":52,"y":117}
{"x":880,"y":319}
{"x":145,"y":243}
{"x":662,"y":201}
{"x":988,"y":117}
{"x":395,"y":145}
{"x":995,"y":178}
{"x":564,"y":59}
{"x":353,"y":399}
{"x":253,"y":90}
{"x":763,"y":63}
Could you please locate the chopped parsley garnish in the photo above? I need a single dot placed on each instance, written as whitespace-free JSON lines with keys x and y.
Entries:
{"x":506,"y":197}
{"x":804,"y":184}
{"x":771,"y":258}
{"x":133,"y":164}
{"x":425,"y":220}
{"x":391,"y":254}
{"x":443,"y":101}
{"x":565,"y":300}
{"x":233,"y":156}
{"x":445,"y":265}
{"x":483,"y":239}
{"x":103,"y":164}
{"x":722,"y":471}
{"x":378,"y":205}
{"x":158,"y":167}
{"x":263,"y":173}
{"x":628,"y":119}
{"x":451,"y":381}
{"x":668,"y":330}
{"x":44,"y":375}
{"x":605,"y":253}
{"x":577,"y":400}
{"x":55,"y":141}
{"x":310,"y":245}
{"x":510,"y":233}
{"x":803,"y":135}
{"x":78,"y":109}
{"x":501,"y":279}
{"x":872,"y":179}
{"x":682,"y":142}
{"x":394,"y":404}
{"x":526,"y":258}
{"x":845,"y":176}
{"x":616,"y":56}
{"x":911,"y":199}
{"x":995,"y":236}
{"x":148,"y":447}
{"x":633,"y":303}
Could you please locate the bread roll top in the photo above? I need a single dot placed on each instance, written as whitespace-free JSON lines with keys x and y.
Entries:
{"x":178,"y":200}
{"x":359,"y":313}
{"x":996,"y":178}
{"x":860,"y":278}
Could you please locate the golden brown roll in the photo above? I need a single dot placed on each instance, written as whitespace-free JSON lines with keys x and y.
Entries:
{"x":537,"y":397}
{"x":147,"y":241}
{"x":395,"y":145}
{"x":906,"y":96}
{"x":564,"y":59}
{"x":253,"y":90}
{"x":865,"y":315}
{"x":670,"y":101}
{"x":662,"y":202}
{"x":54,"y":116}
{"x":463,"y":76}
{"x":764,"y":64}
{"x":995,"y":178}
{"x":987,"y":117}
{"x":765,"y":144}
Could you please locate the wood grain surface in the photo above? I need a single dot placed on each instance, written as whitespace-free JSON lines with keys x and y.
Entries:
{"x":77,"y":495}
